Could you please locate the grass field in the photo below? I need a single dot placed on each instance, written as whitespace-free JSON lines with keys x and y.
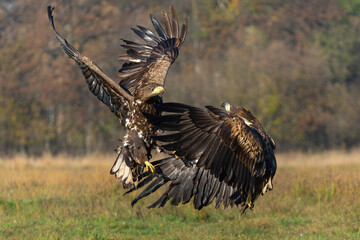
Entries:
{"x":314,"y":197}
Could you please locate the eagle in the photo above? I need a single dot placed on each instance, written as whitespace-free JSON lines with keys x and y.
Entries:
{"x":142,"y":79}
{"x":214,"y":153}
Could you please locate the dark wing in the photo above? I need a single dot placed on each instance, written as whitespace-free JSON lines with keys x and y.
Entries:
{"x":107,"y":90}
{"x":148,"y":63}
{"x":224,"y":147}
{"x":187,"y":181}
{"x":221,"y":143}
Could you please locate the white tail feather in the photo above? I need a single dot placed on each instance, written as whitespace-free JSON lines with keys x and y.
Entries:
{"x":121,"y":170}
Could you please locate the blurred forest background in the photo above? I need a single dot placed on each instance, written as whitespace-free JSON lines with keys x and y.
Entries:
{"x":294,"y":64}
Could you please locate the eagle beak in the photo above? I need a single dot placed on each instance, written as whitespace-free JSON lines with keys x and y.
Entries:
{"x":158,"y":90}
{"x":226,"y":106}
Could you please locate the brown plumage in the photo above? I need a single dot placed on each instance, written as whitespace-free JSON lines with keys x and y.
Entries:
{"x":219,"y":153}
{"x":149,"y":63}
{"x":139,"y":92}
{"x":214,"y":153}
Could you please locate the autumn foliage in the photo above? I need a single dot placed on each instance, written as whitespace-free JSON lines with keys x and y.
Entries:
{"x":294,"y":64}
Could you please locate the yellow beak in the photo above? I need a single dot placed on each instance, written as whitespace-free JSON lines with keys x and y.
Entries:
{"x":158,"y":90}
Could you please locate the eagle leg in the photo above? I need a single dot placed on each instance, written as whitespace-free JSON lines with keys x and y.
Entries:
{"x":149,"y":167}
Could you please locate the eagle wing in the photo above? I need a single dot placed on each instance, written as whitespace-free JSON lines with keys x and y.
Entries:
{"x":102,"y":86}
{"x":149,"y":62}
{"x":212,"y":155}
{"x":225,"y":145}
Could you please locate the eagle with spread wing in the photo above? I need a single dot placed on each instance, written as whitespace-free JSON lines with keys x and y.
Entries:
{"x":215,"y":153}
{"x":220,"y":154}
{"x":139,"y":92}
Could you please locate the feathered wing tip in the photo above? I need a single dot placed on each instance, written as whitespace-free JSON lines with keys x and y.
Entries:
{"x":187,"y":181}
{"x":106,"y":90}
{"x":163,"y":45}
{"x":172,"y":26}
{"x":69,"y":50}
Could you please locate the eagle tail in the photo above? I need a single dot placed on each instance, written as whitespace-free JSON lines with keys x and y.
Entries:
{"x":121,"y":170}
{"x":163,"y":45}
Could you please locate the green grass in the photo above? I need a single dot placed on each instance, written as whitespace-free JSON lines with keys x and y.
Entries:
{"x":60,"y":199}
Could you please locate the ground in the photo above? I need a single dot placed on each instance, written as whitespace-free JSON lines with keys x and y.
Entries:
{"x":315,"y":196}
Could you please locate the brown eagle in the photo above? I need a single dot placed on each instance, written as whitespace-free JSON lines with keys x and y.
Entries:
{"x":139,"y":92}
{"x":221,"y":153}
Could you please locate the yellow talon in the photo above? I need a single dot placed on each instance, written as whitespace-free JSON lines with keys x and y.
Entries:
{"x":176,"y":156}
{"x":149,"y":167}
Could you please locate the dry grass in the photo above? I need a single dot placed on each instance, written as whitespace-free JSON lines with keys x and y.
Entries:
{"x":316,"y":196}
{"x":328,"y":158}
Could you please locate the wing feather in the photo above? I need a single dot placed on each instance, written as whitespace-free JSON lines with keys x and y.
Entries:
{"x":167,"y":24}
{"x":151,"y":61}
{"x":174,"y":21}
{"x":107,"y":90}
{"x":149,"y":33}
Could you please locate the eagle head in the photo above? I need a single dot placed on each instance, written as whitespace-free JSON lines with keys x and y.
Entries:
{"x":241,"y":112}
{"x":149,"y":91}
{"x":226,"y":106}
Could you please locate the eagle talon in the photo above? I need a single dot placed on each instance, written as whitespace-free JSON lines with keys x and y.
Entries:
{"x":149,"y":167}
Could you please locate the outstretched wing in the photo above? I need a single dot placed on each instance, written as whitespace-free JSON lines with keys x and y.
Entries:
{"x":215,"y":155}
{"x":107,"y":90}
{"x":149,"y":62}
{"x":224,"y":145}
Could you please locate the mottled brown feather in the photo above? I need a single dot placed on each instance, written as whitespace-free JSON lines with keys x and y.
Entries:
{"x":151,"y":61}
